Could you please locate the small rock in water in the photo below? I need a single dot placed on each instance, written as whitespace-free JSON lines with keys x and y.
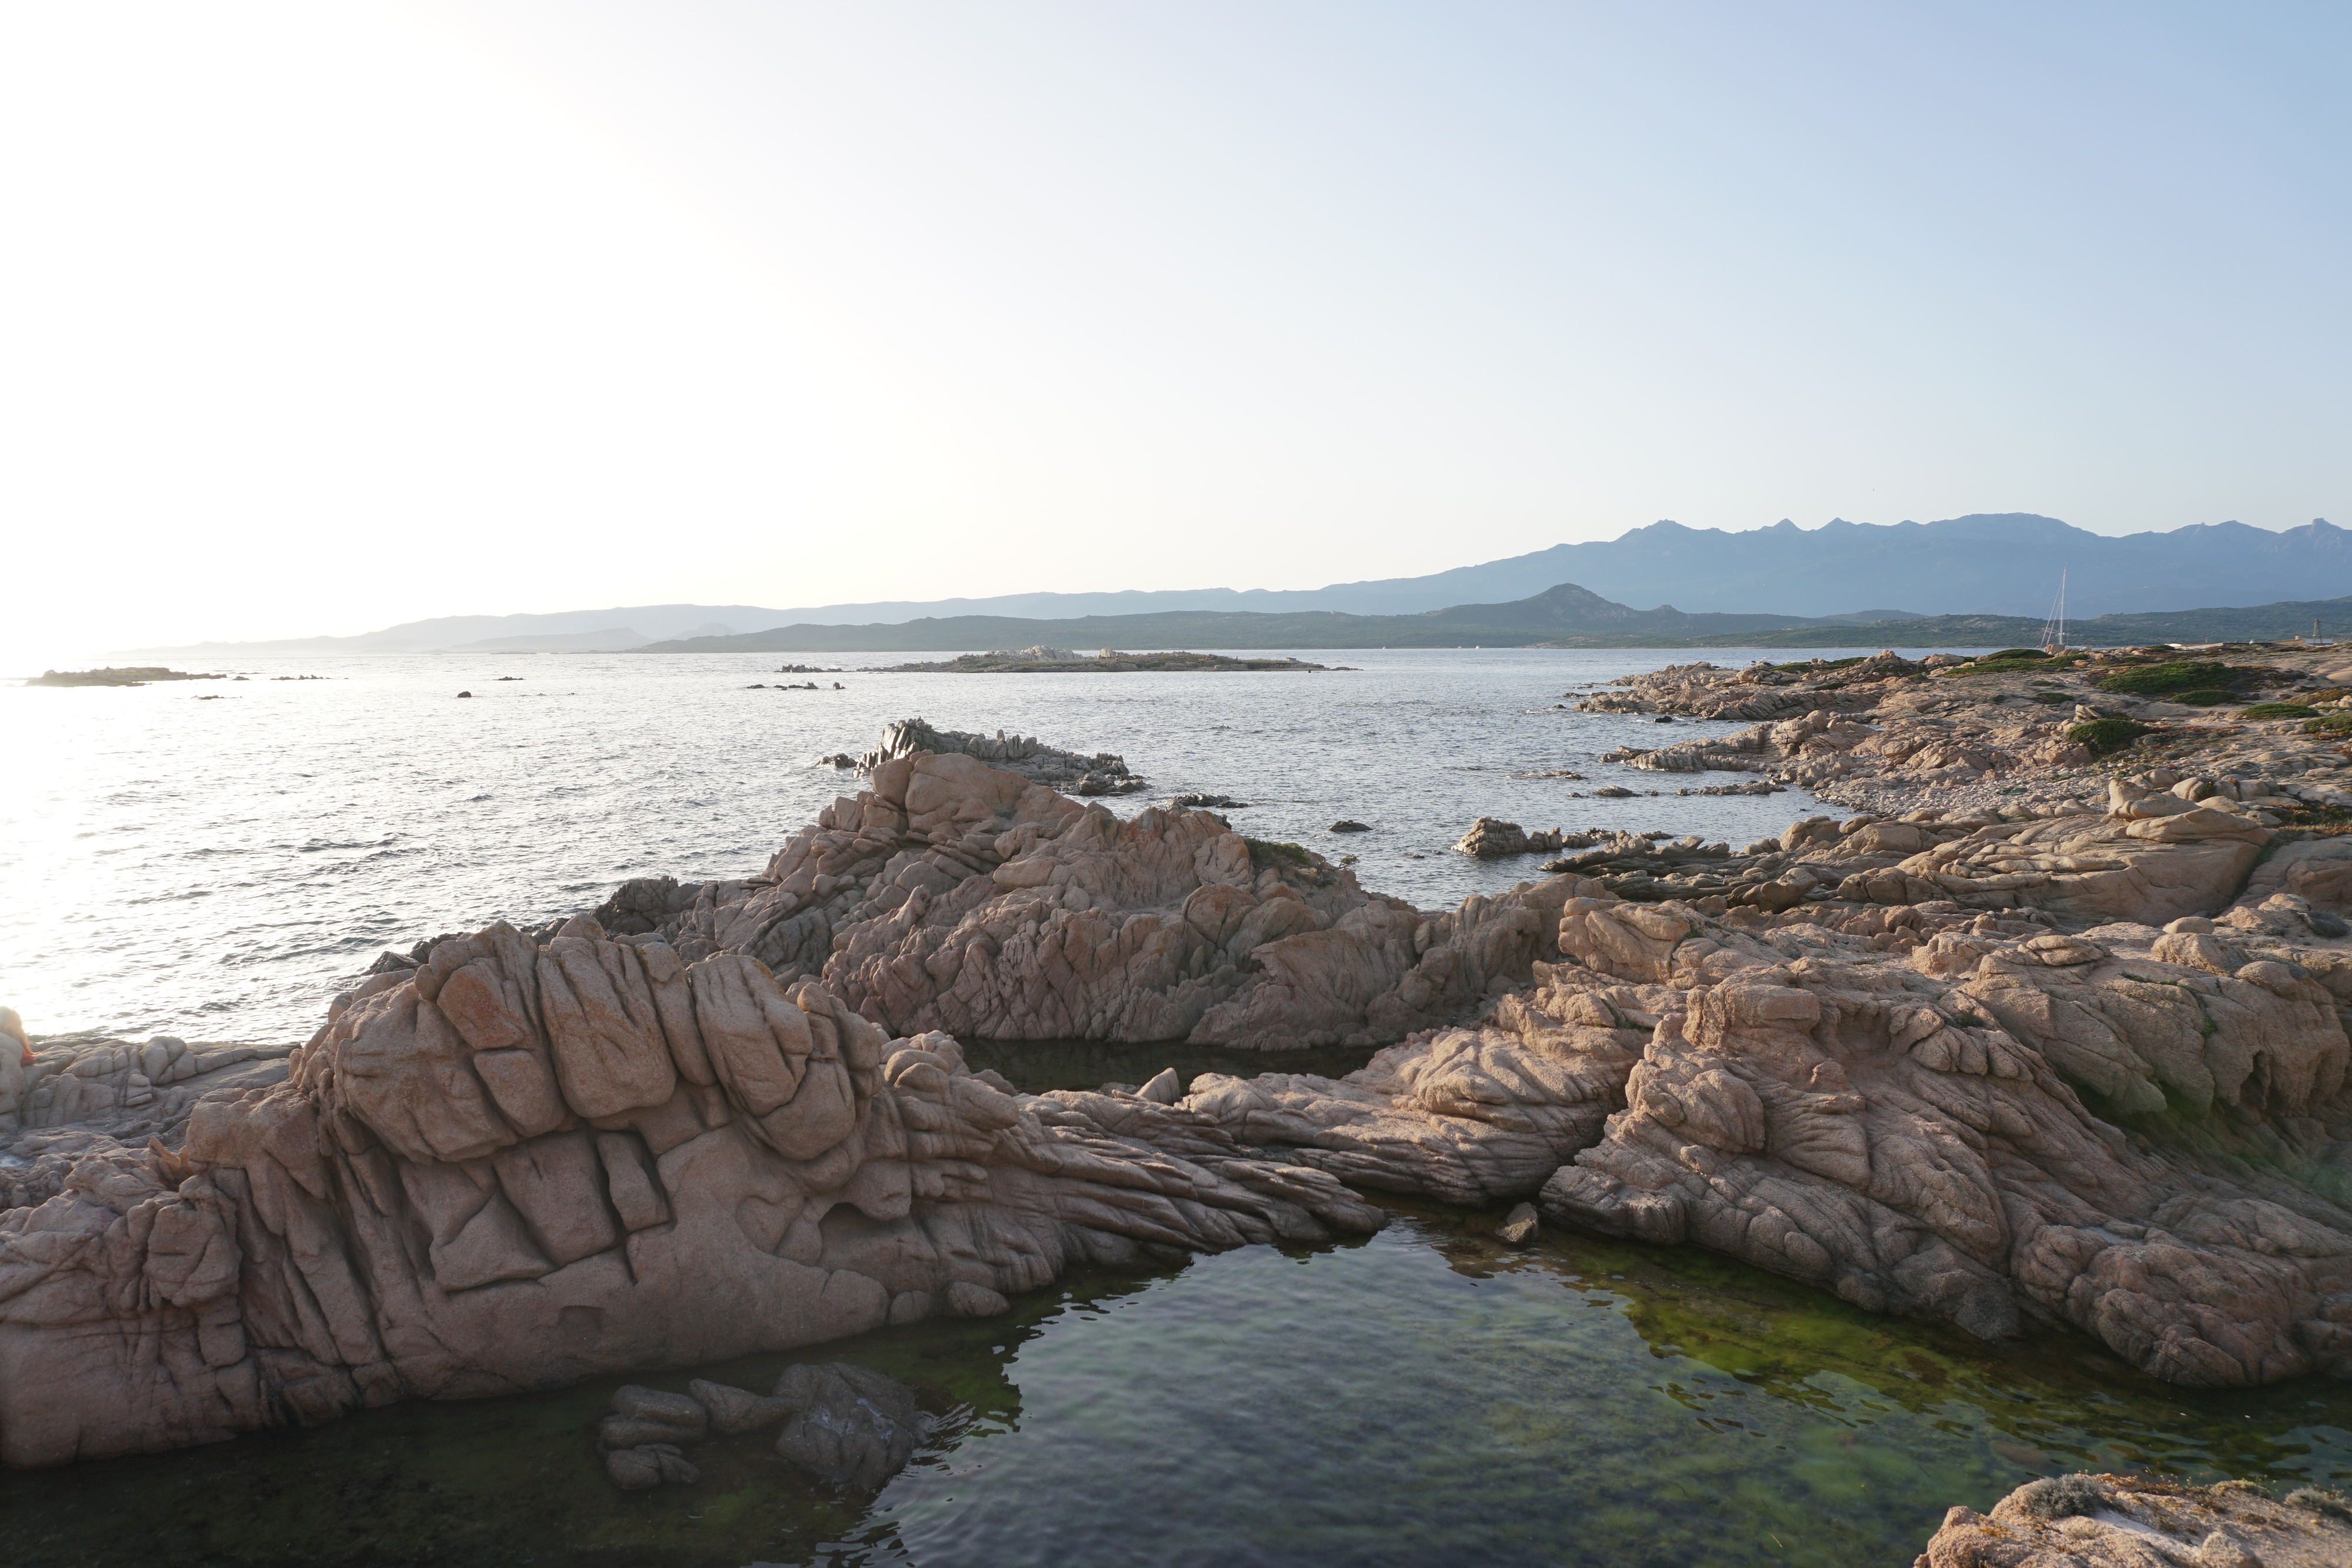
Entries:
{"x":966,"y":1300}
{"x":852,"y":1425}
{"x":734,"y":1410}
{"x":649,"y":1465}
{"x":672,"y":1417}
{"x":1345,"y":826}
{"x":465,"y":694}
{"x":1209,"y":802}
{"x":1164,"y":1089}
{"x":1518,"y":1227}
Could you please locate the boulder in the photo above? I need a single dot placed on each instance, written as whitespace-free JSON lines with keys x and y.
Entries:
{"x":850,"y":1426}
{"x":649,"y":1465}
{"x":737,"y":1410}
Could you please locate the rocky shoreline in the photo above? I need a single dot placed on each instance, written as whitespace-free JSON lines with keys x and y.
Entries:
{"x":2077,"y":1061}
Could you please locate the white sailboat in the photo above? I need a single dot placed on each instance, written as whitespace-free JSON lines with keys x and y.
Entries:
{"x":2054,"y":629}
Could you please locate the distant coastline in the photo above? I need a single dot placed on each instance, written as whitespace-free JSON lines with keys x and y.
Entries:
{"x":1562,"y":617}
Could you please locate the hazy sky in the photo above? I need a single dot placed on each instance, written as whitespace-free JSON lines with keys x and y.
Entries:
{"x":316,"y":317}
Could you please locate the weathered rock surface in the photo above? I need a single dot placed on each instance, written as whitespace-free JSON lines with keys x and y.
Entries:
{"x":521,"y":1165}
{"x":957,"y":897}
{"x":649,"y":1465}
{"x":1101,"y":774}
{"x":736,"y":1410}
{"x":1899,"y":1113}
{"x":1490,"y":838}
{"x":850,"y":1425}
{"x":2117,"y":1522}
{"x":81,"y":1095}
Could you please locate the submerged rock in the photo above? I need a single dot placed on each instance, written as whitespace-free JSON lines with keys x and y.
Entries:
{"x":649,"y":1465}
{"x":737,"y":1410}
{"x":851,"y":1426}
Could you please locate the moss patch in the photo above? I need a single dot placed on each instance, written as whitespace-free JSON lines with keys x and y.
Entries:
{"x":2104,"y":734}
{"x":2279,"y":710}
{"x":2179,"y":675}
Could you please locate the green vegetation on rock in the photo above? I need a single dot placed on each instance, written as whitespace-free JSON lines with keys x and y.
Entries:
{"x":2177,"y":675}
{"x":2104,"y":734}
{"x":2280,"y":710}
{"x":2206,"y":699}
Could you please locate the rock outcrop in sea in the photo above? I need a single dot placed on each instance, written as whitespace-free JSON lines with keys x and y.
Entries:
{"x":1068,"y":771}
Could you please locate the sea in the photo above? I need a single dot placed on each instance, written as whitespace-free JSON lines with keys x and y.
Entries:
{"x":215,"y":859}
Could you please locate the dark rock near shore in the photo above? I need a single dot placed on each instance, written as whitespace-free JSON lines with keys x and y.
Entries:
{"x":851,"y":1426}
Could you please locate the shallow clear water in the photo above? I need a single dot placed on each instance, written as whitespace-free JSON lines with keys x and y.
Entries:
{"x":1423,"y":1396}
{"x":217,"y":869}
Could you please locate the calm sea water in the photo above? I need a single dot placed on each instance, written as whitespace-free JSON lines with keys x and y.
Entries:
{"x":215,"y":869}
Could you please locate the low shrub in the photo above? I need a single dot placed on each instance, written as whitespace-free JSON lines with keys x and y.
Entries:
{"x":2179,"y":675}
{"x":2063,"y":1496}
{"x":2104,"y":734}
{"x":1802,"y":665}
{"x":2330,"y":723}
{"x":2280,"y":710}
{"x":1273,"y":851}
{"x":2001,"y":665}
{"x":2206,"y":699}
{"x":2019,"y":654}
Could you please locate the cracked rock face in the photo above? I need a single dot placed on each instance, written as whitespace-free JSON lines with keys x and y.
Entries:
{"x":521,"y":1165}
{"x":957,"y":897}
{"x":1907,"y":1128}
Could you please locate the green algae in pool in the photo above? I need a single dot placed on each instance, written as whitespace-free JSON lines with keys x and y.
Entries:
{"x":1422,"y":1396}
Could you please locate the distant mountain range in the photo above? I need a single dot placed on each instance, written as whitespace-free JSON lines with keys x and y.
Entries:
{"x":1566,"y":616}
{"x":2005,"y":564}
{"x":1565,"y":611}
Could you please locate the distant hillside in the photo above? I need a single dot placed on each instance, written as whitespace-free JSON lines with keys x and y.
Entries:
{"x":2259,"y":623}
{"x":1565,"y":611}
{"x":1983,"y":564}
{"x":1566,"y":616}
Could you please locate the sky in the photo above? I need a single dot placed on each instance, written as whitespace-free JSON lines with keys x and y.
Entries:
{"x":316,"y":318}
